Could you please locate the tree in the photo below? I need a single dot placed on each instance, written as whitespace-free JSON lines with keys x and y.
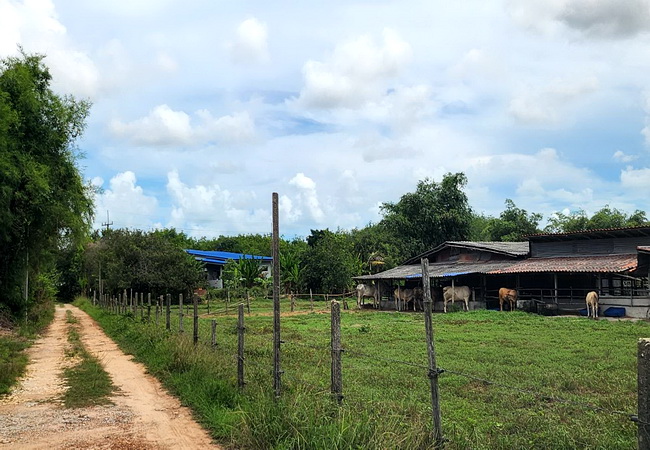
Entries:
{"x":329,"y":263}
{"x":606,"y":217}
{"x":512,"y":224}
{"x":141,"y":261}
{"x":434,"y":213}
{"x":44,"y":202}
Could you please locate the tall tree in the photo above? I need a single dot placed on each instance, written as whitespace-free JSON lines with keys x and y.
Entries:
{"x":606,"y":217}
{"x":44,"y":202}
{"x":512,"y":224}
{"x":434,"y":213}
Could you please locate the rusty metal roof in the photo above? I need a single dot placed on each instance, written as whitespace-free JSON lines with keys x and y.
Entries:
{"x":643,"y":248}
{"x":603,"y":264}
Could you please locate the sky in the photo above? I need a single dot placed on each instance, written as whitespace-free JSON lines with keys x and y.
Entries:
{"x":202,"y":108}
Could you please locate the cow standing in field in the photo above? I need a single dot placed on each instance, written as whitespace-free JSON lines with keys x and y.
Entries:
{"x":592,"y":304}
{"x":407,"y":295}
{"x":364,"y":291}
{"x":507,"y":295}
{"x":450,"y":294}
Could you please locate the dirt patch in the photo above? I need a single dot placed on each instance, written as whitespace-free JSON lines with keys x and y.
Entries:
{"x":143,"y":415}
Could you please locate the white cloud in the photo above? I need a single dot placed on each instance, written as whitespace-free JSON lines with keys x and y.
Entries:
{"x":545,"y":104}
{"x":636,"y":179}
{"x":128,"y":205}
{"x":622,"y":157}
{"x":307,"y":196}
{"x":165,"y":127}
{"x":251,"y":44}
{"x":356,"y":73}
{"x":213,"y":210}
{"x":34,"y":24}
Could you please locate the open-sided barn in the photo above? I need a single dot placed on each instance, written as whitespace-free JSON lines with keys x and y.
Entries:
{"x":551,"y":272}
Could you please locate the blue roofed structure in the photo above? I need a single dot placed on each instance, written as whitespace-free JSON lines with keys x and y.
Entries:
{"x":214,"y":262}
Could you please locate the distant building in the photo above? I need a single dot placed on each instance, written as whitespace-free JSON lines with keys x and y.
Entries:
{"x":214,"y":263}
{"x":550,"y":271}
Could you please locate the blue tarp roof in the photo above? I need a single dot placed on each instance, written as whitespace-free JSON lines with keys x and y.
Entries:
{"x":221,"y":258}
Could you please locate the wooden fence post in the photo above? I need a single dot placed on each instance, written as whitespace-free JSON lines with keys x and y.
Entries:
{"x":643,"y":380}
{"x":311,"y":301}
{"x":158,"y":305}
{"x":240,"y":347}
{"x":168,"y":313}
{"x":180,"y":313}
{"x":149,"y":307}
{"x":214,"y":333}
{"x":196,"y":319}
{"x":431,"y":351}
{"x":337,"y":375}
{"x":293,"y":302}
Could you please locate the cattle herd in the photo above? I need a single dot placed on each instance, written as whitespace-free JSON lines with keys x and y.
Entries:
{"x":452,"y":293}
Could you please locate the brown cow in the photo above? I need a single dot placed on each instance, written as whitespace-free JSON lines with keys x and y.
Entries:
{"x":592,"y":304}
{"x":407,"y":295}
{"x":509,"y":295}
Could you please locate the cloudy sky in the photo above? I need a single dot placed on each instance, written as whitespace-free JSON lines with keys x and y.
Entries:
{"x":202,"y":108}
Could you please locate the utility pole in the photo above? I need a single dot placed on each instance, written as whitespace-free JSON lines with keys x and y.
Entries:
{"x":108,"y":223}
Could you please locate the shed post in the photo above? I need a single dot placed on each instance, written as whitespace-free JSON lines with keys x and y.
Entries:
{"x":643,"y":380}
{"x":433,"y":369}
{"x":555,"y":295}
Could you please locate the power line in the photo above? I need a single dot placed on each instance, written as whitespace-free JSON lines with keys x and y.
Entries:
{"x":108,"y":223}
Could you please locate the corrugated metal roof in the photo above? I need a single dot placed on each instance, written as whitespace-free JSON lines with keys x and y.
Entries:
{"x":603,"y":264}
{"x":221,"y":258}
{"x":514,"y":249}
{"x":437,"y":270}
{"x":643,"y":248}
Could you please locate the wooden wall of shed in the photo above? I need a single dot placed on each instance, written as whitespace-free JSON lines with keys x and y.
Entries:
{"x":608,"y":246}
{"x":468,"y":255}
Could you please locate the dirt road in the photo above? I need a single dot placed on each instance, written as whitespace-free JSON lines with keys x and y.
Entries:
{"x":143,"y":416}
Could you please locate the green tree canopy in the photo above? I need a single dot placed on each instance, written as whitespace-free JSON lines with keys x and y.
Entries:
{"x":512,"y":225}
{"x":329,"y":263}
{"x":434,"y":213}
{"x":44,"y":202}
{"x":606,"y":217}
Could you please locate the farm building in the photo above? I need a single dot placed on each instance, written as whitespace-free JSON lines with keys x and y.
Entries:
{"x":214,"y":263}
{"x":551,"y":272}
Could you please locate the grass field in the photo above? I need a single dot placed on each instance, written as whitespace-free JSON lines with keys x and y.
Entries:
{"x":547,"y":373}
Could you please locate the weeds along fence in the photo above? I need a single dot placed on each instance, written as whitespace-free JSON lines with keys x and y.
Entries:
{"x":249,"y":350}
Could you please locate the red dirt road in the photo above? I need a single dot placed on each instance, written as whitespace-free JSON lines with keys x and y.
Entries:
{"x":143,"y":416}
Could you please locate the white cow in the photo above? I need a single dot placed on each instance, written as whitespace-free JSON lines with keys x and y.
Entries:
{"x":450,"y":294}
{"x":366,"y":290}
{"x":592,"y":304}
{"x":407,"y":295}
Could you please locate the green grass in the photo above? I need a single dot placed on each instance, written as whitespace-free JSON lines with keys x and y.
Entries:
{"x":387,"y":400}
{"x":87,"y":382}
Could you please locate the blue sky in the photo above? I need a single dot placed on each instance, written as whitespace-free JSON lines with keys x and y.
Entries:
{"x":202,"y":109}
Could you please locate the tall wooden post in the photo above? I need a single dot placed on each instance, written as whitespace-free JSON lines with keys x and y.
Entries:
{"x":180,"y":313}
{"x":277,"y":372}
{"x":240,"y":347}
{"x":643,"y":364}
{"x":337,"y":375}
{"x":196,"y":319}
{"x":433,"y":369}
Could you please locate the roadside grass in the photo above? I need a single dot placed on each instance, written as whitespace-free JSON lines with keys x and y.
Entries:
{"x":513,"y":380}
{"x":87,"y":382}
{"x":17,"y":336}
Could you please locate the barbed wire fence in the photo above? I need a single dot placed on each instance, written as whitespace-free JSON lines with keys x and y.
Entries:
{"x":158,"y":312}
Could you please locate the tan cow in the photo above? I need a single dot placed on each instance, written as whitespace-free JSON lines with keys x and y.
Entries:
{"x":408,"y":295}
{"x":449,"y":294}
{"x":592,"y":304}
{"x":508,"y":295}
